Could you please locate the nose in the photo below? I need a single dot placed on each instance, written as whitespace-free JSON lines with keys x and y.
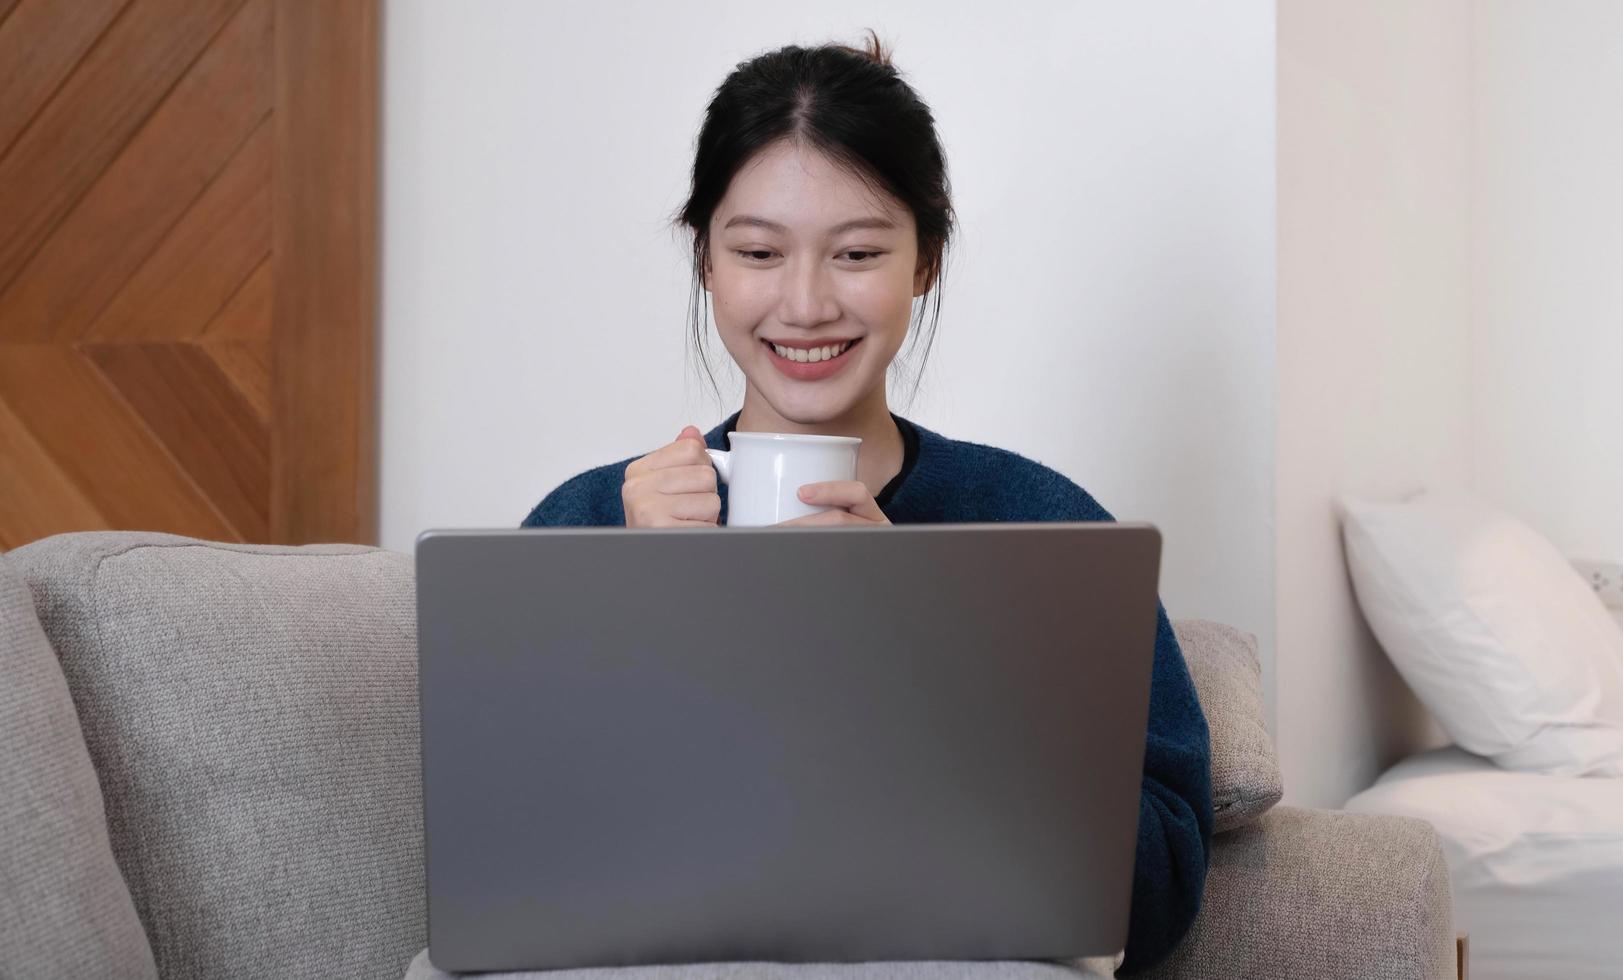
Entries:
{"x":808,"y":294}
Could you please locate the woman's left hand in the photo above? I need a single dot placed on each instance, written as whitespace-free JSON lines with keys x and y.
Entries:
{"x":850,"y":500}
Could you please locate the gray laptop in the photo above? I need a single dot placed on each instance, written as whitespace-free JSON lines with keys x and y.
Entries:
{"x":921,"y":742}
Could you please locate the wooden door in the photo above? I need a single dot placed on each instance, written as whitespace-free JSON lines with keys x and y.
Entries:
{"x":188,"y":203}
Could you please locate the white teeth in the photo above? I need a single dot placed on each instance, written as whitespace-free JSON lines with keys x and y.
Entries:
{"x":813,"y":355}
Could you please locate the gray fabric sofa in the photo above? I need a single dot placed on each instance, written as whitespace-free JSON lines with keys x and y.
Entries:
{"x":209,"y":768}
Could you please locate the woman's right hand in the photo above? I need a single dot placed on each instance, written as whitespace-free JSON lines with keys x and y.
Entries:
{"x":673,"y":486}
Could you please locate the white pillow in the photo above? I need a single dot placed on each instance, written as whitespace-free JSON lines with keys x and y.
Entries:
{"x":1497,"y":633}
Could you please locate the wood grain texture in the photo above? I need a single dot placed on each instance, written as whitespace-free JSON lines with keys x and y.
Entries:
{"x":123,"y":217}
{"x":204,"y":258}
{"x":102,"y":445}
{"x":194,"y":410}
{"x":37,"y":498}
{"x":325,"y":247}
{"x":246,"y":315}
{"x":94,"y":114}
{"x":238,"y":338}
{"x":247,"y":366}
{"x":188,"y":225}
{"x":40,"y":43}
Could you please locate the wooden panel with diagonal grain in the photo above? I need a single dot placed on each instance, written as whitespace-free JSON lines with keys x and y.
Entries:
{"x":102,"y":444}
{"x":123,"y":78}
{"x":39,"y":45}
{"x":187,"y":268}
{"x":191,"y":407}
{"x":36,"y":497}
{"x":238,"y":338}
{"x":203,"y":123}
{"x":246,"y":316}
{"x":203,"y":260}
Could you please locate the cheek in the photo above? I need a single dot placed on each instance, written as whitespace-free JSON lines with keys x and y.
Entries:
{"x":885,"y":299}
{"x":737,"y":299}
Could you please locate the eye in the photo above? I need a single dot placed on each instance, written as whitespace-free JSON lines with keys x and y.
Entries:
{"x":763,"y":255}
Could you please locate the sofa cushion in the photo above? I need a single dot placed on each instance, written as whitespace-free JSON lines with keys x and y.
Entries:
{"x":64,"y":908}
{"x":1228,"y":680}
{"x":1323,"y":895}
{"x":252,"y":713}
{"x":1087,"y":969}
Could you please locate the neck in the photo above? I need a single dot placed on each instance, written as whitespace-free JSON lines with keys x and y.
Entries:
{"x":880,"y":457}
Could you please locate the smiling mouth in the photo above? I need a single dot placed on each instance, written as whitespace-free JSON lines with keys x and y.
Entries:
{"x":815,"y":355}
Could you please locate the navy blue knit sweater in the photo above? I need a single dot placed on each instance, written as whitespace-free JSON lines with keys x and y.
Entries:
{"x":944,"y":480}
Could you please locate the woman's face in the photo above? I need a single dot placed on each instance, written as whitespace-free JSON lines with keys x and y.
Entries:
{"x":806,"y":256}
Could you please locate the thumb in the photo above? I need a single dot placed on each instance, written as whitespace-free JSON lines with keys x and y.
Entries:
{"x":691,"y":432}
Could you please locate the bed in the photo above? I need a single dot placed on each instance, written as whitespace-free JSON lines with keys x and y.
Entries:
{"x":1536,"y":861}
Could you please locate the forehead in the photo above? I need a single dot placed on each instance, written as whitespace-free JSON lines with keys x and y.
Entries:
{"x":803,"y":190}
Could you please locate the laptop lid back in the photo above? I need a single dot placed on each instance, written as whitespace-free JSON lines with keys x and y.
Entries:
{"x":793,"y":744}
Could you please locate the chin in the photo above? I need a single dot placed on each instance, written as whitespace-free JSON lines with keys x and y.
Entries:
{"x":809,"y":408}
{"x":811,"y":411}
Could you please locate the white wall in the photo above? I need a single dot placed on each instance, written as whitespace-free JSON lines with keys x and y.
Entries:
{"x":1373,"y":364}
{"x":1109,"y":308}
{"x":1547,"y":273}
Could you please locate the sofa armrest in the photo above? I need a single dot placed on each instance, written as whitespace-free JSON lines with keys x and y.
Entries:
{"x":1312,"y":894}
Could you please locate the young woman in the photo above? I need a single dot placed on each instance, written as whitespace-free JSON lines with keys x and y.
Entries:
{"x":820,"y":212}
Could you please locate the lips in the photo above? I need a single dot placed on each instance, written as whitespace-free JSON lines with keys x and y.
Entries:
{"x":810,"y":370}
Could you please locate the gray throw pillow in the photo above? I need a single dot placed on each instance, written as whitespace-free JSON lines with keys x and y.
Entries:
{"x":1228,"y":679}
{"x":252,"y":713}
{"x":64,"y":908}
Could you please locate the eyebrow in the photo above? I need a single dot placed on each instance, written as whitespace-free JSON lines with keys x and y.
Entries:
{"x":749,"y":219}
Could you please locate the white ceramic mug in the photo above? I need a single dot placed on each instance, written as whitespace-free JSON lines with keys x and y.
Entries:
{"x":764,"y":472}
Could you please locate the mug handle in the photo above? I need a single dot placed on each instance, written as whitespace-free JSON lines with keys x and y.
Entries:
{"x":723,"y":461}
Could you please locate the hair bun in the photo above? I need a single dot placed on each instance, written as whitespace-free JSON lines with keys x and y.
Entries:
{"x":874,"y":51}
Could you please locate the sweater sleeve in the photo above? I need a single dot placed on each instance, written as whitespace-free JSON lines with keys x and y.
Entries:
{"x":1175,"y":798}
{"x":589,"y":499}
{"x":1174,"y":810}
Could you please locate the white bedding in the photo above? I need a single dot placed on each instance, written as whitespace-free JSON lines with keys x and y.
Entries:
{"x":1536,"y":861}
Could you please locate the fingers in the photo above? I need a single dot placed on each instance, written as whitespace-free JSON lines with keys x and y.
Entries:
{"x":687,"y":492}
{"x":850,"y":500}
{"x":698,"y":507}
{"x":673,"y":481}
{"x":683,"y":479}
{"x":825,"y":519}
{"x":852,"y":495}
{"x":687,"y":450}
{"x":673,"y":486}
{"x":653,"y":509}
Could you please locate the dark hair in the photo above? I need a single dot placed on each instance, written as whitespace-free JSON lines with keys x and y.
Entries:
{"x":851,"y":105}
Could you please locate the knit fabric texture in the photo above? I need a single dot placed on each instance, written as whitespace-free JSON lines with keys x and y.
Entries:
{"x":65,"y":910}
{"x":952,"y":481}
{"x":251,"y":712}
